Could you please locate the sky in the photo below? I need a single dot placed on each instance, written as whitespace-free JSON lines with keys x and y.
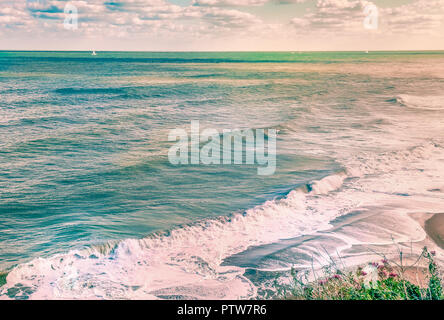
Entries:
{"x":221,"y":25}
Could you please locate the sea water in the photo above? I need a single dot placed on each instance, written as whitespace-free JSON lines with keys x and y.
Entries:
{"x":91,"y":207}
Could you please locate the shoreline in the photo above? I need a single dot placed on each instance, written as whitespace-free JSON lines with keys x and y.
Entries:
{"x":432,"y":224}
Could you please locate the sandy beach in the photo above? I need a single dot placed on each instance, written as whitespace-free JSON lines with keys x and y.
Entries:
{"x":435,"y":229}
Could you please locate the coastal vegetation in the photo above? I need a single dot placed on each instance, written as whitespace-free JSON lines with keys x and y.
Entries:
{"x":381,"y":280}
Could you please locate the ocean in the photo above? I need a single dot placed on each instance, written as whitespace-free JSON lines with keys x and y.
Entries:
{"x":92,"y":208}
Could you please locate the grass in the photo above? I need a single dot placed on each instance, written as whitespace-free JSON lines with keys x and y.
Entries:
{"x":382,"y":280}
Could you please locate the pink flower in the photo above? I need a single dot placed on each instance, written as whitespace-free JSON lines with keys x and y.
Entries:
{"x":433,"y":253}
{"x":384,"y":261}
{"x":337,"y":276}
{"x":392,"y":275}
{"x":375,"y":264}
{"x":363,"y":273}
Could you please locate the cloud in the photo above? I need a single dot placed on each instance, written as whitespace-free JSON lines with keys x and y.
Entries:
{"x":420,"y":17}
{"x":203,"y":20}
{"x":226,"y":3}
{"x":241,"y":3}
{"x":124,"y":17}
{"x":347,"y":17}
{"x":334,"y":16}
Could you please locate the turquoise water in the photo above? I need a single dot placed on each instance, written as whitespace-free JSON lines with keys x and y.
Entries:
{"x":83,"y":154}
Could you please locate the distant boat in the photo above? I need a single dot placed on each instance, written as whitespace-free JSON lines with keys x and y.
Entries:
{"x":366,"y":51}
{"x":93,"y":53}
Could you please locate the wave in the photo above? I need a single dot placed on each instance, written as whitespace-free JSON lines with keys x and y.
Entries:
{"x":387,"y":162}
{"x":328,"y":183}
{"x":185,"y":262}
{"x":421,"y":102}
{"x":89,"y":91}
{"x":188,"y":261}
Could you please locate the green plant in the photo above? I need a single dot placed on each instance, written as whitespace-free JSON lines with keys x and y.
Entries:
{"x":435,"y":290}
{"x":388,"y":282}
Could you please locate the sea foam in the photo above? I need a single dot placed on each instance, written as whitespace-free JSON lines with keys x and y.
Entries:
{"x":421,"y":102}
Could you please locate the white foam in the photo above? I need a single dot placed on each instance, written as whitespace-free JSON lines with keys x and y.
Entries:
{"x":329,"y":183}
{"x":421,"y":102}
{"x":395,"y":161}
{"x":184,"y":263}
{"x":187,"y":262}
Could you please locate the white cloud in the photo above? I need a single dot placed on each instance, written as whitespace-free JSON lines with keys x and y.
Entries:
{"x":347,"y":16}
{"x":241,"y":3}
{"x":334,"y":16}
{"x":225,"y":3}
{"x":420,"y":17}
{"x":203,"y":20}
{"x":131,"y":16}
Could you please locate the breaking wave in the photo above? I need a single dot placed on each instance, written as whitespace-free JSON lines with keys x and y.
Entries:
{"x":182,"y":263}
{"x":421,"y":102}
{"x":187,"y":262}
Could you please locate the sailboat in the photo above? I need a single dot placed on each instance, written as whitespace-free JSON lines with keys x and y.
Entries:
{"x":94,"y":53}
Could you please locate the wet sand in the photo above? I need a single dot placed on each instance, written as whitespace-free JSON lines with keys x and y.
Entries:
{"x":435,"y":229}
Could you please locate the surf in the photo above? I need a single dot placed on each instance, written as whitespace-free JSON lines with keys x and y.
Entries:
{"x":187,"y":262}
{"x":160,"y":265}
{"x":432,"y":103}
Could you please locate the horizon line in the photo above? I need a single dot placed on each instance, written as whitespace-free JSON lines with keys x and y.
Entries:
{"x":227,"y":51}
